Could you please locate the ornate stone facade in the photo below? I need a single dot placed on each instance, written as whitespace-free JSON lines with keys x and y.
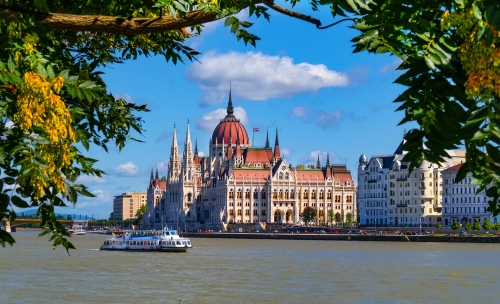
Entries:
{"x":239,"y":183}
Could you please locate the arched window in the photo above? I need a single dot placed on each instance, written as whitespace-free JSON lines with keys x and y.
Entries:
{"x":313,"y":194}
{"x":281,"y":176}
{"x":280,"y":194}
{"x":305,"y":195}
{"x":292,"y":195}
{"x":275,"y":194}
{"x":231,"y":193}
{"x":255,"y":194}
{"x":286,"y":194}
{"x":189,"y":197}
{"x":287,"y":176}
{"x":263,"y":194}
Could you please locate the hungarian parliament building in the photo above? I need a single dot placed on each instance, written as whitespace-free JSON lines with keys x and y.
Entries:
{"x":237,"y":183}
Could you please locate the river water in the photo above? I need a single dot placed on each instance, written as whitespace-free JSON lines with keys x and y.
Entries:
{"x":250,"y":271}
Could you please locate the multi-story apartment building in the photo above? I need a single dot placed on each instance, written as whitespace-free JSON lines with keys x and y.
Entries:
{"x":240,"y":183}
{"x":389,"y":195}
{"x":125,"y":206}
{"x":461,"y":202}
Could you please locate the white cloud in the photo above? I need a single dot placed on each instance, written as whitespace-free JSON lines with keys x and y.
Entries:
{"x":209,"y":121}
{"x":256,"y":76}
{"x":201,"y":153}
{"x":89,"y":180}
{"x":162,"y":168}
{"x":127,"y":169}
{"x":322,"y":118}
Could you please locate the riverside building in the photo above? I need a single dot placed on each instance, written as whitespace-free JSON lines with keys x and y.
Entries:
{"x":237,"y":183}
{"x":390,"y":196}
{"x":460,"y":201}
{"x":125,"y":206}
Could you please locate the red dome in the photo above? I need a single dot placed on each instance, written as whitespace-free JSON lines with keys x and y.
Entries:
{"x":230,"y":127}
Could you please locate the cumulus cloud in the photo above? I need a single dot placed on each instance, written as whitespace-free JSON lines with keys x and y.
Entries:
{"x":127,"y":169}
{"x":256,"y":76}
{"x":209,"y":121}
{"x":324,"y":119}
{"x":90,"y":180}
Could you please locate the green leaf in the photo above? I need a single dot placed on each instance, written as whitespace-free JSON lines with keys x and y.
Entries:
{"x":18,"y":202}
{"x":477,"y":11}
{"x":50,"y":72}
{"x":429,"y":62}
{"x":10,"y":65}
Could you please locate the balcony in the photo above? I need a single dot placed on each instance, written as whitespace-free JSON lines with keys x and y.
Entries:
{"x":402,"y":179}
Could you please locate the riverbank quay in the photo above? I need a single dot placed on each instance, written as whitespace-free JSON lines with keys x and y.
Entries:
{"x":347,"y":237}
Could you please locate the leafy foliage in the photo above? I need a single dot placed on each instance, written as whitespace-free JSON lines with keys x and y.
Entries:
{"x":455,"y":225}
{"x":309,"y":214}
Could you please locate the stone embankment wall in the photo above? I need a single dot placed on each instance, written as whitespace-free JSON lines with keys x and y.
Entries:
{"x":344,"y":237}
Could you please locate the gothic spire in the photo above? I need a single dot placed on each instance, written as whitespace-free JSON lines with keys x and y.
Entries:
{"x":328,"y":160}
{"x":196,"y":147}
{"x":151,"y":177}
{"x":230,"y":109}
{"x":276,"y":141}
{"x":267,"y":140}
{"x":156,"y":175}
{"x":318,"y":164}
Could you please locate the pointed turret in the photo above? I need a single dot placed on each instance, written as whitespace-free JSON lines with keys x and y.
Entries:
{"x":187,"y":156}
{"x":196,"y":157}
{"x":151,"y":177}
{"x":156,"y":175}
{"x":267,"y":140}
{"x":276,"y":146}
{"x":174,"y":164}
{"x":318,"y":164}
{"x":230,"y":109}
{"x":328,"y":169}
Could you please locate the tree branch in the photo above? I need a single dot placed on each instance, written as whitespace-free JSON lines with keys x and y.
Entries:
{"x":133,"y":26}
{"x":302,"y":17}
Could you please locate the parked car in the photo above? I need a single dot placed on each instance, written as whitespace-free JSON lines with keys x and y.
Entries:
{"x":463,"y":233}
{"x":274,"y":231}
{"x":426,"y":232}
{"x":322,"y":231}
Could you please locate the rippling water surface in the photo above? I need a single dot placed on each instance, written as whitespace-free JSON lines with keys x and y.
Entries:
{"x":250,"y":271}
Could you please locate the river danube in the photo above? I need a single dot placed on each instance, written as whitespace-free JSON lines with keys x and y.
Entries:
{"x":250,"y":271}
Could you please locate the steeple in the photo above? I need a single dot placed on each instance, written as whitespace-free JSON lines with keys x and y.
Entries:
{"x":196,"y":147}
{"x":318,"y":164}
{"x":267,"y":140}
{"x":156,"y":176}
{"x":230,"y":109}
{"x":328,"y":160}
{"x":151,"y":177}
{"x":276,"y":147}
{"x":187,"y":156}
{"x":174,"y":164}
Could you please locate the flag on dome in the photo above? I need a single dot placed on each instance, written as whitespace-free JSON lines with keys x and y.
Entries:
{"x":256,"y":129}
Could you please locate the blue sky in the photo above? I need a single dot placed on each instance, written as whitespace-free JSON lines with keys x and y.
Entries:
{"x":303,"y":81}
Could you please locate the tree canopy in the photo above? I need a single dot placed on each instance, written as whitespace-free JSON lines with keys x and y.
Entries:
{"x":54,"y":103}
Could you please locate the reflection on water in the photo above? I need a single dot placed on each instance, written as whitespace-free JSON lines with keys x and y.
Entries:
{"x":249,"y":271}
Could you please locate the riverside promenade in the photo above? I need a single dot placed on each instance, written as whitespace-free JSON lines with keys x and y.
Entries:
{"x":345,"y":237}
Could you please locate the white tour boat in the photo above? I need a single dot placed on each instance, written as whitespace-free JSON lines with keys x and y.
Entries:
{"x":166,"y":240}
{"x":77,"y":231}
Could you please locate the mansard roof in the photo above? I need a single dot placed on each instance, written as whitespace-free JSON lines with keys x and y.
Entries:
{"x":258,"y":155}
{"x":454,"y":168}
{"x":256,"y":175}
